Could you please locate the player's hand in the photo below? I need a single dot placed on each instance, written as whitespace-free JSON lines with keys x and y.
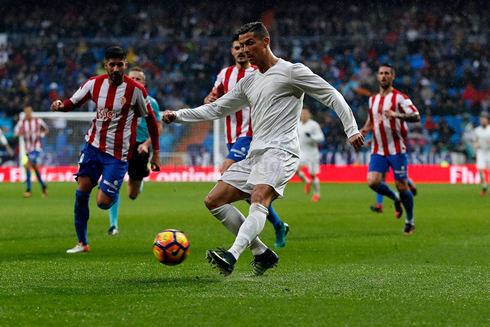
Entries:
{"x":143,"y":148}
{"x":155,"y":161}
{"x":168,"y":116}
{"x":57,"y":106}
{"x":210,"y":98}
{"x":356,"y":141}
{"x":390,"y":114}
{"x":363,"y":132}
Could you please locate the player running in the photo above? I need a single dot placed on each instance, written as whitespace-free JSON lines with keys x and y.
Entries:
{"x":138,"y":164}
{"x":310,"y":134}
{"x":238,"y":128}
{"x":33,"y":129}
{"x":378,"y":207}
{"x":389,"y":111}
{"x":275,"y":93}
{"x":482,"y":145}
{"x":110,"y":137}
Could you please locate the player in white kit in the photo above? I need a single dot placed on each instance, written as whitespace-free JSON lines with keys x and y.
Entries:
{"x":238,"y":129}
{"x":482,"y":145}
{"x":275,"y":93}
{"x":310,"y":134}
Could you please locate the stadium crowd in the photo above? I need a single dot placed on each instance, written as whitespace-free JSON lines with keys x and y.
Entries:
{"x":440,"y":55}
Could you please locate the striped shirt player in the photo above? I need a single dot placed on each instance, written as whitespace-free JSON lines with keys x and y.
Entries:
{"x":32,"y":129}
{"x":238,"y":123}
{"x":389,"y":112}
{"x":113,"y":130}
{"x":110,"y":138}
{"x":389,"y":135}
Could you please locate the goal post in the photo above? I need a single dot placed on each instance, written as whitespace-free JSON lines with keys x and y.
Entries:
{"x":182,"y":145}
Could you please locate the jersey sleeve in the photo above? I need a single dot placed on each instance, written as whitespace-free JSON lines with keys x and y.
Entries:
{"x":405,"y":105}
{"x":43,"y":124}
{"x":156,"y":108}
{"x":317,"y":134}
{"x":218,"y":85}
{"x":3,"y":139}
{"x":142,"y":104}
{"x":302,"y":78}
{"x":81,"y":96}
{"x":18,"y":127}
{"x":231,"y":102}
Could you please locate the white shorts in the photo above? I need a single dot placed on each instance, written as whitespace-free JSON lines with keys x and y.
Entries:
{"x":482,"y":160}
{"x":273,"y":167}
{"x":313,"y":164}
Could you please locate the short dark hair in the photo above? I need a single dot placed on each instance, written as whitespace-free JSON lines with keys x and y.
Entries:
{"x":389,"y":66}
{"x":257,"y":28}
{"x":235,"y":38}
{"x":115,"y":52}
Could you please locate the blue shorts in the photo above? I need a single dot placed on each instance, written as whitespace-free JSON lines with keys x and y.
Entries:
{"x":94,"y":163}
{"x":239,"y":149}
{"x":32,"y":156}
{"x":397,"y":162}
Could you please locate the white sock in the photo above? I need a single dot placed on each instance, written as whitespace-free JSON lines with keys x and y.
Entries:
{"x":250,"y":229}
{"x":483,"y":181}
{"x":232,"y":219}
{"x":316,"y":186}
{"x":303,"y":177}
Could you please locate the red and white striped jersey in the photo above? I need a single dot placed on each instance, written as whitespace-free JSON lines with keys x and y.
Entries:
{"x":389,"y":134}
{"x":113,"y":130}
{"x":237,"y":124}
{"x":31,"y":130}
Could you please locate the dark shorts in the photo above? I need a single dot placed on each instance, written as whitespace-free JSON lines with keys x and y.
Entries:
{"x":239,"y":149}
{"x":32,"y":156}
{"x":397,"y":162}
{"x":94,"y":163}
{"x":138,"y":165}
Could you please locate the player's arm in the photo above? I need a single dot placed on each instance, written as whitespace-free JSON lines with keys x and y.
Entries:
{"x":316,"y":134}
{"x":406,"y":111}
{"x":145,"y":110}
{"x":44,"y":128}
{"x":77,"y":100}
{"x":217,"y":91}
{"x":302,"y":78}
{"x":367,"y":128}
{"x":229,"y":103}
{"x":3,"y":140}
{"x":411,"y":117}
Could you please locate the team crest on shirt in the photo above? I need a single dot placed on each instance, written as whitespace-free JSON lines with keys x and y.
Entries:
{"x":123,"y":101}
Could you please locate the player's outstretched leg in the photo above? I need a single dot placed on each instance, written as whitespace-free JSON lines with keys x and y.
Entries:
{"x":27,"y":193}
{"x":305,"y":180}
{"x":222,"y":259}
{"x":81,"y":219}
{"x":40,"y":179}
{"x":407,"y":200}
{"x":383,"y":189}
{"x":113,"y":217}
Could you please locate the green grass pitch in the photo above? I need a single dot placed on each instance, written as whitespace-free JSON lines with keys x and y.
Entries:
{"x":342,"y":265}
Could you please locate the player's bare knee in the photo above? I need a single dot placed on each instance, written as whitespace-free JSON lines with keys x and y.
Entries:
{"x":373,"y":183}
{"x":133,"y":195}
{"x":104,"y":203}
{"x":210,"y":203}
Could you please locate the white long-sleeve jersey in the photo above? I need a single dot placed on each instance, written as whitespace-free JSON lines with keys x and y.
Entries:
{"x":309,"y":144}
{"x":276,"y":98}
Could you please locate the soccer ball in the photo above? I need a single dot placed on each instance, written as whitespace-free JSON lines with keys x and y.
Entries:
{"x":171,"y":247}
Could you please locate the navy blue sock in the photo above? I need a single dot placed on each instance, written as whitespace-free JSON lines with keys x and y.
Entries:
{"x":28,"y":180}
{"x":39,"y":178}
{"x":407,"y":200}
{"x":274,"y":218}
{"x":81,"y":215}
{"x":383,"y":189}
